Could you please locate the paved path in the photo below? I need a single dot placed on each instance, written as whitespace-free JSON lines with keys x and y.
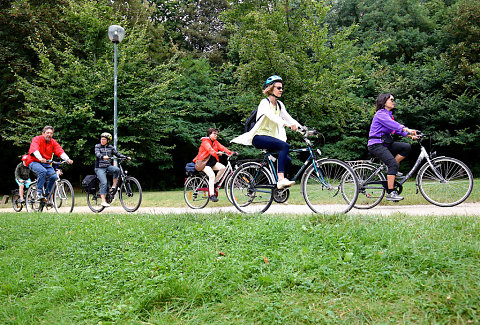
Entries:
{"x":470,"y":209}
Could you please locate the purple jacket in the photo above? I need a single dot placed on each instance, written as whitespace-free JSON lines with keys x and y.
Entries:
{"x":383,"y":123}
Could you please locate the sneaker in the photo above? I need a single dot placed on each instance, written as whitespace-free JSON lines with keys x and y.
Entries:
{"x":40,"y":197}
{"x":21,"y":201}
{"x":399,"y":174}
{"x":213,"y":198}
{"x":284,"y":183}
{"x":105,"y":204}
{"x":394,"y":196}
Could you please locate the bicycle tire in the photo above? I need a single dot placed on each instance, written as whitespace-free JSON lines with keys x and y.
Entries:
{"x":94,"y":202}
{"x":228,"y":182}
{"x":17,"y":207}
{"x":371,"y":194}
{"x":252,"y":188}
{"x":454,"y":190}
{"x":130,"y":194}
{"x":333,"y":191}
{"x":195,"y":191}
{"x":64,"y":197}
{"x":31,"y":203}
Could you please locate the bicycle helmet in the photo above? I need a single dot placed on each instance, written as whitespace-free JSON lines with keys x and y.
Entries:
{"x":24,"y":157}
{"x":271,"y":80}
{"x":107,"y":136}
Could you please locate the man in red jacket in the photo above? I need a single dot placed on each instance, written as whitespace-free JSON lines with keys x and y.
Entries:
{"x":42,"y":148}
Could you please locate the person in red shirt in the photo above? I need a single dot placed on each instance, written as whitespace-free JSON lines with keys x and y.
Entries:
{"x":42,"y":148}
{"x":210,"y":147}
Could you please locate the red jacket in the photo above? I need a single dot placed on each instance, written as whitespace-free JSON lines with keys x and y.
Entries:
{"x":210,"y":148}
{"x":46,"y":149}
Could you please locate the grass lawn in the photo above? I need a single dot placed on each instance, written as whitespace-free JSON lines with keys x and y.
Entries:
{"x":232,"y":268}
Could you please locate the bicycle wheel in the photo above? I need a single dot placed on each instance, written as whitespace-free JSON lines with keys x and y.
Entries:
{"x":453,"y":189}
{"x":333,"y":190}
{"x":371,"y":193}
{"x":94,"y":202}
{"x":64,"y":198}
{"x":16,"y":206}
{"x":130,"y":194}
{"x":252,"y":188}
{"x":228,"y":182}
{"x":195,"y":192}
{"x":31,"y":203}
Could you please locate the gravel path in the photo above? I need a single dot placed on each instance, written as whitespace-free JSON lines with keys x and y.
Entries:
{"x":469,"y":209}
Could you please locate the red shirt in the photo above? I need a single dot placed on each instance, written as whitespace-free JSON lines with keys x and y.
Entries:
{"x":46,"y":149}
{"x":209,"y":148}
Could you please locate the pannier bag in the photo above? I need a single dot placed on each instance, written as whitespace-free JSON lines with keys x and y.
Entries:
{"x":89,"y":184}
{"x":190,"y":167}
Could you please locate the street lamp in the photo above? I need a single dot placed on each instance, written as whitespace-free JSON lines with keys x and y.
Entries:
{"x":116,"y":34}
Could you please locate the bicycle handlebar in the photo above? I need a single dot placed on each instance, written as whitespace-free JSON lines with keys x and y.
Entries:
{"x":306,"y":132}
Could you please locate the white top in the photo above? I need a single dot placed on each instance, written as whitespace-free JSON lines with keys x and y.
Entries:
{"x":265,"y":112}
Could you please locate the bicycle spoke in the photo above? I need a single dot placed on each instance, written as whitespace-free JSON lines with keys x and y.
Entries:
{"x":453,"y":187}
{"x":333,"y":190}
{"x":130,"y":194}
{"x":252,"y":189}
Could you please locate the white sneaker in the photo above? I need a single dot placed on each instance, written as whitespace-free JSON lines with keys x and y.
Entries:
{"x":284,"y":183}
{"x":105,"y":204}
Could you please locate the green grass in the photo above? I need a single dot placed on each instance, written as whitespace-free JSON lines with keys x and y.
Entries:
{"x":164,"y":269}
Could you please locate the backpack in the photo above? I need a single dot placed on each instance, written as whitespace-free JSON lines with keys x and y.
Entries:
{"x":252,"y":119}
{"x":89,"y":184}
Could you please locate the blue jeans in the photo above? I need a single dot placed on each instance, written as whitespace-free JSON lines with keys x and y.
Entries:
{"x":45,"y":172}
{"x":102,"y":176}
{"x":274,"y":145}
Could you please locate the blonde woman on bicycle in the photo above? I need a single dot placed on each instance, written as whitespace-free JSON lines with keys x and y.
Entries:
{"x":269,"y":130}
{"x":211,"y":148}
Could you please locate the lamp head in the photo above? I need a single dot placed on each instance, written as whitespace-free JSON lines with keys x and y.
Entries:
{"x":116,"y":33}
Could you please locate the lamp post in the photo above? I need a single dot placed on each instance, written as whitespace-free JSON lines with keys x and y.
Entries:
{"x":116,"y":34}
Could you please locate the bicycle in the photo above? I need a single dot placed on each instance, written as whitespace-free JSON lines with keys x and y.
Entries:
{"x":128,"y":188}
{"x":196,"y":192}
{"x":327,"y":185}
{"x":62,"y":196}
{"x":18,"y":206}
{"x":442,"y":181}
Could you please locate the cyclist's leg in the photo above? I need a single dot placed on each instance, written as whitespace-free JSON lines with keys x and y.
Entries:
{"x":400,"y":150}
{"x":21,"y":188}
{"x":41,"y":173}
{"x":102,"y":178}
{"x":384,"y":154}
{"x":51,"y":178}
{"x":211,"y":179}
{"x":276,"y":145}
{"x":115,"y":171}
{"x":221,"y":169}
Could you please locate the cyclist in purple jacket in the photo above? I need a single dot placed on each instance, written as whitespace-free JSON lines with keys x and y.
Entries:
{"x":381,"y":144}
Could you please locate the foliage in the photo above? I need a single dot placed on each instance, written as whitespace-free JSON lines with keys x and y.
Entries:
{"x":187,"y":65}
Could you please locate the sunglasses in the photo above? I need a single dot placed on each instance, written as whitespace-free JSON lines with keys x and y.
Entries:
{"x":392,"y":99}
{"x":279,"y":88}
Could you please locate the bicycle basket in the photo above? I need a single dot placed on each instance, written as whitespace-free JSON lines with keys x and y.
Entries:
{"x":89,"y":184}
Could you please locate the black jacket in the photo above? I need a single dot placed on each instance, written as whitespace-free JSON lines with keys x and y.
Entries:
{"x":107,"y":150}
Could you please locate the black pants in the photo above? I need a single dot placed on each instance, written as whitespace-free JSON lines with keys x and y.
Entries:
{"x":387,"y":154}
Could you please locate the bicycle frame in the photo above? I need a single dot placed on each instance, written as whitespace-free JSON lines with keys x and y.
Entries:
{"x":269,"y":160}
{"x":421,"y":157}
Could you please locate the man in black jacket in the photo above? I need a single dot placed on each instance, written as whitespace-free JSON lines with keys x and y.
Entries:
{"x":104,"y":153}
